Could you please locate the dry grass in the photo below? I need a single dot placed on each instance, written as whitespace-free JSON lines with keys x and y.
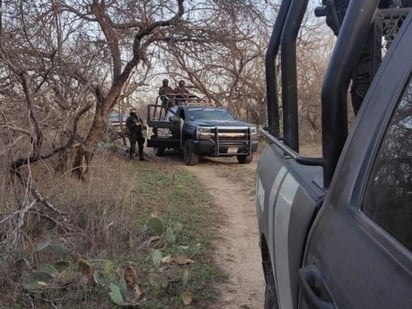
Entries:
{"x":99,"y":215}
{"x":103,"y":219}
{"x":311,"y":150}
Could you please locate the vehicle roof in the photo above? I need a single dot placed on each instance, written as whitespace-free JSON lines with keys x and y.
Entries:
{"x":116,"y":116}
{"x":197,"y":106}
{"x":113,"y":114}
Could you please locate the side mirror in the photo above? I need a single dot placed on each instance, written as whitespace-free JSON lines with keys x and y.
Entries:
{"x":174,"y":118}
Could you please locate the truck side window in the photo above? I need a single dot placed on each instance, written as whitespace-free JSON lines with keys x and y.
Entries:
{"x":388,"y":198}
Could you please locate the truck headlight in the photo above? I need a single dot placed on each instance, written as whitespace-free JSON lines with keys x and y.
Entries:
{"x":253,"y":133}
{"x":203,"y":132}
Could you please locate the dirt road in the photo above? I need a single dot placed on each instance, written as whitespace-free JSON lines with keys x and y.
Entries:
{"x":232,"y":187}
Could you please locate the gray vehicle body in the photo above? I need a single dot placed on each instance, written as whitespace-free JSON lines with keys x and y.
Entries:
{"x":318,"y":244}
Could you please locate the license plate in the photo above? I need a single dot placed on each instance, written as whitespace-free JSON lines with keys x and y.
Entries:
{"x":232,"y":150}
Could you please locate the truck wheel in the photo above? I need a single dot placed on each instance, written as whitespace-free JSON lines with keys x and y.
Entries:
{"x":159,"y":151}
{"x":271,"y":299}
{"x":270,"y":295}
{"x":189,"y":157}
{"x":245,"y":159}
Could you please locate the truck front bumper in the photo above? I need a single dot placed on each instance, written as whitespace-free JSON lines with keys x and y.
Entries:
{"x":209,"y":148}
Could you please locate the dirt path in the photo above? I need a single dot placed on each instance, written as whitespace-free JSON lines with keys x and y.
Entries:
{"x":237,"y":251}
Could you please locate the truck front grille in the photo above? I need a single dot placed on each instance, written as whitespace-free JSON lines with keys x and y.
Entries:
{"x":231,"y":135}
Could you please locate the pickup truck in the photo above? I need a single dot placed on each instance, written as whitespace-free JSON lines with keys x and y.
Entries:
{"x":336,"y":231}
{"x":199,"y":130}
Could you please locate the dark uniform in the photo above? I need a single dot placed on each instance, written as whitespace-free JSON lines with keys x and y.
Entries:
{"x":181,"y":93}
{"x":362,"y":75}
{"x":166,"y":93}
{"x":134,"y":127}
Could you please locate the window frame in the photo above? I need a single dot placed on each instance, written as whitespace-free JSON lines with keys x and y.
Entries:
{"x":399,"y":251}
{"x":371,"y":168}
{"x":347,"y":189}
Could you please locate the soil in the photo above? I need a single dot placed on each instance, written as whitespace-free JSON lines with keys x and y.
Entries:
{"x":237,"y":251}
{"x":232,"y":187}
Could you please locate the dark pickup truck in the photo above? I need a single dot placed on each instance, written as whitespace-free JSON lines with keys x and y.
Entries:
{"x":336,"y":231}
{"x":200,"y":130}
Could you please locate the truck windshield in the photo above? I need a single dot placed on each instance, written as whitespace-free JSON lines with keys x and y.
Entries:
{"x":209,"y":114}
{"x":116,"y":117}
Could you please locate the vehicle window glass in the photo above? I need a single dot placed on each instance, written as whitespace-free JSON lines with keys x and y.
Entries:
{"x":116,"y":117}
{"x":169,"y":114}
{"x":209,"y":114}
{"x":388,"y":198}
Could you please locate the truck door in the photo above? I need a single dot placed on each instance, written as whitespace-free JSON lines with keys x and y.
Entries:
{"x":165,"y":127}
{"x":359,"y":250}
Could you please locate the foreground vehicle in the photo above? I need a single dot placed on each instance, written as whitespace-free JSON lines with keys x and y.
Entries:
{"x":200,"y":130}
{"x":336,"y":231}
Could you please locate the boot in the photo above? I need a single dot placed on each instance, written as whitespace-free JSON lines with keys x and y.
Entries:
{"x":141,"y":155}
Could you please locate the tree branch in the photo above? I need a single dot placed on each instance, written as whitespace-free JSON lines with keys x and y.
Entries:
{"x":98,"y":9}
{"x":15,"y":165}
{"x":29,"y":103}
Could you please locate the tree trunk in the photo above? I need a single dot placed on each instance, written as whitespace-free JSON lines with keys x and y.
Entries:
{"x":84,"y":154}
{"x":63,"y":162}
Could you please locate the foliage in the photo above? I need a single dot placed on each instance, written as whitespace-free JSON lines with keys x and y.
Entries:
{"x":179,"y":265}
{"x":112,"y":242}
{"x":60,"y":80}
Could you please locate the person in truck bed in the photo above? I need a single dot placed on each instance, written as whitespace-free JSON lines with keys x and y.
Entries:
{"x":181,"y":93}
{"x":166,"y":93}
{"x":362,"y":75}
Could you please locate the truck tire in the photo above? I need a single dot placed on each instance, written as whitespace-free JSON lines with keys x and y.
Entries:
{"x":245,"y":159}
{"x":159,"y":151}
{"x":271,"y":299}
{"x":189,"y":157}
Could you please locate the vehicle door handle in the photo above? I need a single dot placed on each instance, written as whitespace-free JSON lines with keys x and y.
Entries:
{"x":313,"y":288}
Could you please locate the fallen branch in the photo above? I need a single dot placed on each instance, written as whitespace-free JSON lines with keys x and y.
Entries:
{"x":38,"y":196}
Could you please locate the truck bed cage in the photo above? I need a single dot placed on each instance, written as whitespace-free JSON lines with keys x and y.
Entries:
{"x":291,"y":153}
{"x":162,"y":103}
{"x":362,"y":18}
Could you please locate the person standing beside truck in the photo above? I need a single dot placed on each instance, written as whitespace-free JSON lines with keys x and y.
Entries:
{"x":362,"y":74}
{"x":135,"y":127}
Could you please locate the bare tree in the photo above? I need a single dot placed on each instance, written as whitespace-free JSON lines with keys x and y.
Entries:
{"x":71,"y":56}
{"x":115,"y":25}
{"x":227,"y":66}
{"x":39,"y":85}
{"x":313,"y":53}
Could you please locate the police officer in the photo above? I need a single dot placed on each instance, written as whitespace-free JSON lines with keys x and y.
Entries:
{"x":181,"y":93}
{"x":166,"y":93}
{"x":135,"y":127}
{"x":362,"y":75}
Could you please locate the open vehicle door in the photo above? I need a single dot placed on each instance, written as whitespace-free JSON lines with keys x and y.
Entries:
{"x":165,"y":127}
